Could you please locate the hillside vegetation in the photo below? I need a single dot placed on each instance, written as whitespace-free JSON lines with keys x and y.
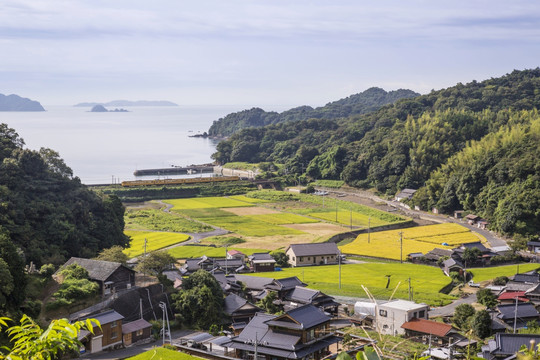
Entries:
{"x":369,"y":100}
{"x":435,"y":140}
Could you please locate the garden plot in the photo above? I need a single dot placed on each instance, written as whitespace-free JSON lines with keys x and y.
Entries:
{"x":154,"y":241}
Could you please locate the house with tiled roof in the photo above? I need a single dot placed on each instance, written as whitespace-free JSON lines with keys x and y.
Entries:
{"x":440,"y":333}
{"x":110,"y":276}
{"x":136,"y":331}
{"x":108,"y":336}
{"x":239,"y":309}
{"x":390,"y":316}
{"x":300,"y":296}
{"x":302,"y":333}
{"x":506,"y":345}
{"x":260,"y":262}
{"x":312,"y":254}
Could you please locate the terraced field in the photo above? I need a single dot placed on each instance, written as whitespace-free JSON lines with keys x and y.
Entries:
{"x":154,"y":241}
{"x":192,"y":251}
{"x":386,"y":244}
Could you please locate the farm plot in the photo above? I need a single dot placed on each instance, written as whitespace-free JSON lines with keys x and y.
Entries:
{"x":490,"y":273}
{"x":153,"y":219}
{"x":154,"y":241}
{"x":426,"y":281}
{"x":206,"y":202}
{"x":283,"y":218}
{"x":347,"y":218}
{"x":192,"y":251}
{"x":386,"y":244}
{"x":250,"y":226}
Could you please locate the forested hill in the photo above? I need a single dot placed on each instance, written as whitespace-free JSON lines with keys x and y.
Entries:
{"x":48,"y":213}
{"x":404,"y":144}
{"x":369,"y":100}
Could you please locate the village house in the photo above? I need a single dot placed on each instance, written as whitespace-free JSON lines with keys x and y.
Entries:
{"x":136,"y":331}
{"x":302,"y":333}
{"x":261,"y":262}
{"x":300,"y":296}
{"x":312,"y":254}
{"x":212,"y":264}
{"x":107,"y":337}
{"x":111,"y":276}
{"x":405,"y":194}
{"x":392,"y":315}
{"x":235,"y":254}
{"x":432,"y":331}
{"x":239,"y":309}
{"x":505,"y":346}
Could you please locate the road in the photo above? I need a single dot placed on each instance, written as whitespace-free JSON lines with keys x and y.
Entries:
{"x":449,"y":309}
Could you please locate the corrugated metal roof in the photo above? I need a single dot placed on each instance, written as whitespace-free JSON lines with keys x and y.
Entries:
{"x":106,"y":317}
{"x":427,"y":327}
{"x":135,"y":325}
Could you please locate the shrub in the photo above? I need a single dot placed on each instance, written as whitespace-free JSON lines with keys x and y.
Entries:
{"x":500,"y":280}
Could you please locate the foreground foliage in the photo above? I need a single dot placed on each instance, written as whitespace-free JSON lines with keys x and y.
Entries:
{"x":29,"y":341}
{"x":163,"y":353}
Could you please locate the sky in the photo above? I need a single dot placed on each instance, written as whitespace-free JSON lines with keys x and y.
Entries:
{"x":270,"y":53}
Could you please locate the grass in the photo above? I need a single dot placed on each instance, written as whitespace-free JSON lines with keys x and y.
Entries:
{"x":158,"y":353}
{"x":155,"y":241}
{"x":239,"y":165}
{"x":223,"y":240}
{"x":206,"y":202}
{"x":153,"y":219}
{"x":490,"y":273}
{"x":192,"y":251}
{"x":250,"y":226}
{"x":283,"y":218}
{"x":335,"y":184}
{"x":426,"y":281}
{"x":386,"y":244}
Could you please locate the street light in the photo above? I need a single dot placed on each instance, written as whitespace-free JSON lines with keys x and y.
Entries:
{"x":163,"y":307}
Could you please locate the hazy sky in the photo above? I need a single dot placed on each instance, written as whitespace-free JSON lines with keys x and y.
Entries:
{"x":271,"y":53}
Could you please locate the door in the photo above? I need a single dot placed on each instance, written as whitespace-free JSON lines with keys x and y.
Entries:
{"x":97,"y":344}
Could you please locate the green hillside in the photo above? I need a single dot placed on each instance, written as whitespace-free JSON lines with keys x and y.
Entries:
{"x":369,"y":100}
{"x":402,"y":146}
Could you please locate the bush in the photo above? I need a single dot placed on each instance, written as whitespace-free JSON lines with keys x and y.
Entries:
{"x":47,"y":270}
{"x":500,"y":280}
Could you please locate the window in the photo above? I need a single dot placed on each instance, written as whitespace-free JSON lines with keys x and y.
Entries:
{"x":114,"y":334}
{"x":293,"y":258}
{"x":139,"y":332}
{"x":308,"y":258}
{"x":113,"y":324}
{"x":422,"y":314}
{"x":382,"y":313}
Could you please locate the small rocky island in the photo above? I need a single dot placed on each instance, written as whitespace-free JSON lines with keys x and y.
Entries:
{"x":128,"y":103}
{"x":16,"y":103}
{"x":101,"y":108}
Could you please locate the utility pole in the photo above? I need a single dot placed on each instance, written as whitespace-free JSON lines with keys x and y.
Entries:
{"x":368,"y":231}
{"x":145,"y":247}
{"x":140,"y":305}
{"x":515,"y":314}
{"x":226,"y":256}
{"x":339,"y":262}
{"x":336,"y":210}
{"x":401,"y":247}
{"x":351,"y":216}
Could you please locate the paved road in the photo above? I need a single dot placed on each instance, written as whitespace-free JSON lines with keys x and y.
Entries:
{"x":449,"y":309}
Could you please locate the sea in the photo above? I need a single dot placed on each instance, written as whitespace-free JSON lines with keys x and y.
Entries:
{"x":106,"y":148}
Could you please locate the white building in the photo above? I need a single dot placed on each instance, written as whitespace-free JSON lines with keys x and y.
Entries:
{"x":391,"y":315}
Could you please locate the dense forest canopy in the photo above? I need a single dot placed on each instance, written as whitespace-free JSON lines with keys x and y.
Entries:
{"x":364,"y":102}
{"x":46,"y":212}
{"x":403,"y":145}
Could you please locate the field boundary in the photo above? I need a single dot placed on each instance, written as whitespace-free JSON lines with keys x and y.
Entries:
{"x":344,"y":235}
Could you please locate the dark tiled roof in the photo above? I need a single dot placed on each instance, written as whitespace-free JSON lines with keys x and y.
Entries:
{"x":527,"y":278}
{"x":519,"y":286}
{"x":509,"y":344}
{"x":428,"y":327}
{"x":286,"y":284}
{"x":106,"y":317}
{"x":302,"y":295}
{"x":524,"y":310}
{"x":533,"y":243}
{"x":97,"y":269}
{"x":452,"y":262}
{"x":261,"y":256}
{"x":135,"y":325}
{"x":314,"y":249}
{"x":172,"y":275}
{"x":233,"y":302}
{"x":305,"y":317}
{"x":228,"y":262}
{"x":254,"y":282}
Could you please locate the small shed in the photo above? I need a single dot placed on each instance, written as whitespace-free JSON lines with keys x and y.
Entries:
{"x":136,"y":331}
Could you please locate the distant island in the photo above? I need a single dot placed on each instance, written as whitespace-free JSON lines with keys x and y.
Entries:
{"x":101,"y":108}
{"x":16,"y":103}
{"x":129,"y":103}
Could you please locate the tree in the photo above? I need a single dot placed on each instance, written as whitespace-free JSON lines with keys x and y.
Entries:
{"x":29,"y":341}
{"x":114,"y":254}
{"x":471,"y":255}
{"x":267,"y":303}
{"x":155,"y":262}
{"x":282,"y":259}
{"x":481,"y":324}
{"x":200,"y":302}
{"x":486,"y":298}
{"x":462,"y":315}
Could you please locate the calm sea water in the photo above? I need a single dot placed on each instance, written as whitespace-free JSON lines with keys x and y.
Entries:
{"x":108,"y":147}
